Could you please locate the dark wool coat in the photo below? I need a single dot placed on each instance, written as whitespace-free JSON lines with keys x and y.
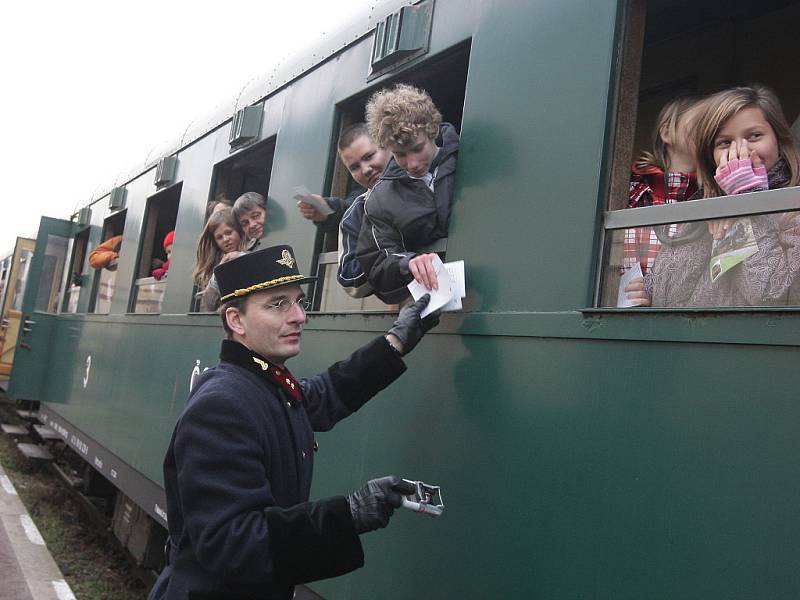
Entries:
{"x":403,"y":216}
{"x":237,"y":476}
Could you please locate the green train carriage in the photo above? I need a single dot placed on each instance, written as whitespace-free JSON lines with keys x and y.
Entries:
{"x":585,"y":451}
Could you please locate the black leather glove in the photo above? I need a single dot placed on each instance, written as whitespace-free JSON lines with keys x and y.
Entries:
{"x":409,"y":328}
{"x":373,"y":504}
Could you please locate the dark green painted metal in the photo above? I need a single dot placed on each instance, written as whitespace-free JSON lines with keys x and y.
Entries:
{"x":570,"y":476}
{"x":583,"y":453}
{"x":529,"y":168}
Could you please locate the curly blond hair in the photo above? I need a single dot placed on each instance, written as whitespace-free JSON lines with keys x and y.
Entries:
{"x":400,"y":114}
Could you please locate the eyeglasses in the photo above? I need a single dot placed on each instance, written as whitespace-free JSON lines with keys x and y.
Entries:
{"x":285,"y":305}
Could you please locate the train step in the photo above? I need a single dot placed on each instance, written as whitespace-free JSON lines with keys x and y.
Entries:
{"x":14,"y":429}
{"x":29,"y":415}
{"x":34,"y":451}
{"x":46,"y":434}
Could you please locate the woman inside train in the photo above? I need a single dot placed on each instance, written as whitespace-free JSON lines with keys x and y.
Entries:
{"x":743,"y":144}
{"x":250,"y":210}
{"x":221,"y":240}
{"x":661,"y":176}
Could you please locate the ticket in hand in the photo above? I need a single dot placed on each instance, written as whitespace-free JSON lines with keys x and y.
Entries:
{"x":441,"y":295}
{"x":302,"y":194}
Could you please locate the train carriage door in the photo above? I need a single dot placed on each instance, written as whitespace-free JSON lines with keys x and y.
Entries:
{"x":16,"y":275}
{"x":39,"y":308}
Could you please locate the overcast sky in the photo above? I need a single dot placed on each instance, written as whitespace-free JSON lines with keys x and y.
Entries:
{"x":90,"y":87}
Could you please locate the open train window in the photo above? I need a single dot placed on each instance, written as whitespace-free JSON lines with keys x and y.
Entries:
{"x":247,"y":171}
{"x":104,"y":259}
{"x":160,"y":216}
{"x":723,"y":250}
{"x":77,"y":271}
{"x":445,"y":79}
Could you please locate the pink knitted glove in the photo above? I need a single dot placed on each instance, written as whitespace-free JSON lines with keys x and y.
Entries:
{"x":740,"y":176}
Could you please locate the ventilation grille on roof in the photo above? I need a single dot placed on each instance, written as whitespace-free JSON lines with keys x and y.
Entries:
{"x":84,"y":216}
{"x":401,"y":37}
{"x":165,"y":171}
{"x":116,"y":199}
{"x":246,"y":126}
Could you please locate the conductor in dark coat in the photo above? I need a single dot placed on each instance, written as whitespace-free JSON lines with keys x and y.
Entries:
{"x":238,"y":469}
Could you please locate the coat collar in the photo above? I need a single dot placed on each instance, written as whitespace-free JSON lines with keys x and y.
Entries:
{"x":241,"y":356}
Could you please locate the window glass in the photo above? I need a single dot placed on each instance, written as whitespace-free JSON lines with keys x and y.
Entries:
{"x":22,"y":279}
{"x":734,"y":262}
{"x":55,"y":257}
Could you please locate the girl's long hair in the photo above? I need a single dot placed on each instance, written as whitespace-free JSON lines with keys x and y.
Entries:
{"x":666,"y":123}
{"x":208,"y":253}
{"x":720,"y":107}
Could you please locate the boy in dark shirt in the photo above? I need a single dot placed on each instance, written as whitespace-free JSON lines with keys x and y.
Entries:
{"x":409,"y":207}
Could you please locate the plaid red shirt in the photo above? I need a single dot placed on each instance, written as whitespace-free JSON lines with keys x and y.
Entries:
{"x":649,"y":187}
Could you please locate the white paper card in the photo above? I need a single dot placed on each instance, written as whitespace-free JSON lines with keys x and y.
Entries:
{"x":452,"y":287}
{"x":440,"y":296}
{"x":456,"y":271}
{"x":622,"y":299}
{"x":302,"y":194}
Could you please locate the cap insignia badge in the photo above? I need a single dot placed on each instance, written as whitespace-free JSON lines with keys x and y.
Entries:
{"x":264,"y":366}
{"x":286,"y":259}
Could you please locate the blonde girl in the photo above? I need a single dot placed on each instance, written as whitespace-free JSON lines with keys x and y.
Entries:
{"x":661,"y":176}
{"x":221,"y":240}
{"x":743,"y":145}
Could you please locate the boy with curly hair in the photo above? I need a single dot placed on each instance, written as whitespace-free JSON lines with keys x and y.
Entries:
{"x":409,"y":208}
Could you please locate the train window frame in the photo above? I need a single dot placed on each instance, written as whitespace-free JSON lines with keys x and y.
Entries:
{"x":328,"y":295}
{"x":260,"y":153}
{"x":241,"y":159}
{"x":113,"y":225}
{"x":623,"y":128}
{"x":76,"y":271}
{"x":156,"y":207}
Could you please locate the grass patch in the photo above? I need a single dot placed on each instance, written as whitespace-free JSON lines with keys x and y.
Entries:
{"x":94,"y":568}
